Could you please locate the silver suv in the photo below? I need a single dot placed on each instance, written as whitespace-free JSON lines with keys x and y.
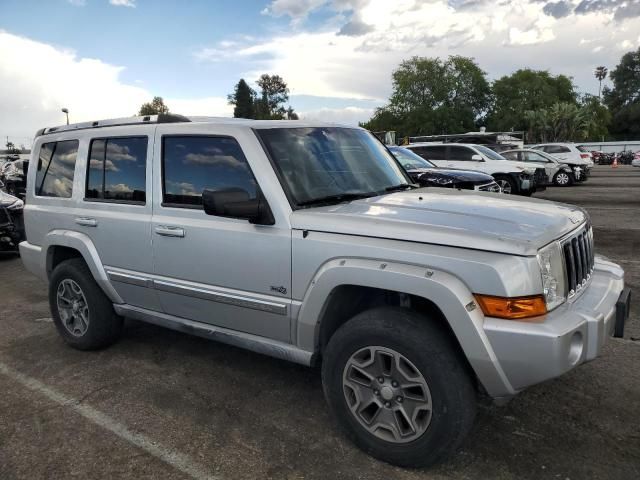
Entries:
{"x":308,"y":242}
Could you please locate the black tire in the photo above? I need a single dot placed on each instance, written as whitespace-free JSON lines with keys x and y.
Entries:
{"x":104,"y":326}
{"x":503,"y":180}
{"x":567,"y":184}
{"x":432,"y":351}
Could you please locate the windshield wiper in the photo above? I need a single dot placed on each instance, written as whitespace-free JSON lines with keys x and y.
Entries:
{"x":337,"y":198}
{"x":400,"y":187}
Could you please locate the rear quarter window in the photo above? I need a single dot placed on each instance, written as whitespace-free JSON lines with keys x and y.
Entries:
{"x":56,"y":168}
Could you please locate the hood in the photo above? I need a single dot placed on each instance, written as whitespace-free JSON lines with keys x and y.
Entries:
{"x":7,"y":200}
{"x":466,"y":219}
{"x":458,"y":175}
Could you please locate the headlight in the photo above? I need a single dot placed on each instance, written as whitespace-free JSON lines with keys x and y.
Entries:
{"x":442,"y":181}
{"x":554,"y":284}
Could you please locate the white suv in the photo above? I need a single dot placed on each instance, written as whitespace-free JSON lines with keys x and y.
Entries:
{"x":568,"y":152}
{"x":512,"y":177}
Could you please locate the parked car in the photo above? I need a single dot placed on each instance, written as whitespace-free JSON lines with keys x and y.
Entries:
{"x":11,"y":223}
{"x":512,"y":177}
{"x":426,"y":174}
{"x":558,"y":173}
{"x":308,"y":242}
{"x":569,"y":153}
{"x":13,"y":174}
{"x":635,"y":162}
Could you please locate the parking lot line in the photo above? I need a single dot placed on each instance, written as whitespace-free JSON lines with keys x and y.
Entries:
{"x":177,"y":460}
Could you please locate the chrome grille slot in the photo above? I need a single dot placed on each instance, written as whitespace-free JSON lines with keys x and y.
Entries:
{"x":579,"y":260}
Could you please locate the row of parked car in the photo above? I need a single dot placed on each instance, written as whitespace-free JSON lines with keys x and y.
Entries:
{"x":477,"y":167}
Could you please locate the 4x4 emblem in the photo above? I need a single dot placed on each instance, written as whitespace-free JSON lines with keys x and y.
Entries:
{"x":281,"y":290}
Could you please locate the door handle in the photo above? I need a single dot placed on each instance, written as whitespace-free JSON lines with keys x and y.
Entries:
{"x":169,"y":231}
{"x":87,"y":221}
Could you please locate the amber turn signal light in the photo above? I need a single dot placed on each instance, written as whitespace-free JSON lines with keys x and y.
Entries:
{"x":515,"y":308}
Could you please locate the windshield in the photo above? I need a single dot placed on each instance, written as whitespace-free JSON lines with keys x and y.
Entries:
{"x":410,"y":160}
{"x":487,"y":152}
{"x":584,"y":149}
{"x":331,"y":163}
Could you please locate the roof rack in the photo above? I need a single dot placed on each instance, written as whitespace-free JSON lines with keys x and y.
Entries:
{"x":114,"y":122}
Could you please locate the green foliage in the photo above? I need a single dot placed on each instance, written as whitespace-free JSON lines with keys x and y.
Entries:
{"x":274,"y":94}
{"x":269,"y":104}
{"x":527,"y":90}
{"x":155,"y":107}
{"x":433,"y":96}
{"x":243,"y":98}
{"x":567,"y":122}
{"x":624,"y":99}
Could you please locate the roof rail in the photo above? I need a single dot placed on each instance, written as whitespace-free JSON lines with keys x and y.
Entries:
{"x":114,"y":122}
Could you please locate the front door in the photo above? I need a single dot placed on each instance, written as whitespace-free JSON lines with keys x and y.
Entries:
{"x":462,"y":157}
{"x":222,"y":271}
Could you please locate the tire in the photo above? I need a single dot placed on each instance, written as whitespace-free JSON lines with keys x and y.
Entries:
{"x":505,"y":182}
{"x":563,"y":179}
{"x":101,"y":326}
{"x":426,"y":349}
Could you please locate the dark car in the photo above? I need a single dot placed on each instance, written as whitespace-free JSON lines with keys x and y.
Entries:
{"x":11,"y":222}
{"x":426,"y":174}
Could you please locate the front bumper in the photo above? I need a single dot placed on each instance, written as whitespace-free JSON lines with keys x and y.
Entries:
{"x":572,"y":334}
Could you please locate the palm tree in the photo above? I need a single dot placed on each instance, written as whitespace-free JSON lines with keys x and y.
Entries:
{"x":600,"y":74}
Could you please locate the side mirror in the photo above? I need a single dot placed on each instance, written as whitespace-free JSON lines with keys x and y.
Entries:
{"x":235,"y":203}
{"x":476,"y":158}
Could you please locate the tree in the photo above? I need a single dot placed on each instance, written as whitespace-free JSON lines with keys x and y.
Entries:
{"x":243,"y":98}
{"x":11,"y":148}
{"x":155,"y":107}
{"x":600,"y":73}
{"x":274,"y":94}
{"x":434,"y":96}
{"x":526,"y":90}
{"x":623,"y":99}
{"x":291,"y":114}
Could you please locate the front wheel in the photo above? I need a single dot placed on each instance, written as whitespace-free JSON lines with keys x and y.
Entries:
{"x":506,"y":184}
{"x":398,"y":387}
{"x":563,"y":179}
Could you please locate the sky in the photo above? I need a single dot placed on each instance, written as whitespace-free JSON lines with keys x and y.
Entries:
{"x":104,"y":58}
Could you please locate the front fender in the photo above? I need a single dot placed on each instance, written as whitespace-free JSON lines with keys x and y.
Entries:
{"x":446,"y":291}
{"x":83,"y":244}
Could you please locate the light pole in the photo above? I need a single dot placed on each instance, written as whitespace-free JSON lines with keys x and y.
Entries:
{"x":66,"y":112}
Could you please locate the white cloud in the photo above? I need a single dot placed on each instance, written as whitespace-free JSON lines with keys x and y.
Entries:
{"x":37,"y":80}
{"x":123,"y":3}
{"x":78,"y":3}
{"x":347,"y":115}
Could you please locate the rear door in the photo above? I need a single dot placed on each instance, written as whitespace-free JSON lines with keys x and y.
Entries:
{"x":115,"y":211}
{"x":559,"y":151}
{"x":436,"y":154}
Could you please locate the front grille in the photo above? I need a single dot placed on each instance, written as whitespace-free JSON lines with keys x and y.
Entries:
{"x":579,"y":259}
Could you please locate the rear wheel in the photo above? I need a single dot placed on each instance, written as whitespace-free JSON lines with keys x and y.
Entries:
{"x":82,"y":313}
{"x":398,"y":387}
{"x":506,"y":184}
{"x":563,"y":179}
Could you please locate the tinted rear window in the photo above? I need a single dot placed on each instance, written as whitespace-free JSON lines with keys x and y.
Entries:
{"x":56,"y":166}
{"x":117,"y":169}
{"x":435,"y":152}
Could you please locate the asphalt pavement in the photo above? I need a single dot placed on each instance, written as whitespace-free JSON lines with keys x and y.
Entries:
{"x":161,"y":404}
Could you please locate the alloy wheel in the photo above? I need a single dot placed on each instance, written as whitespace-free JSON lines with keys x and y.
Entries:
{"x":72,"y":307}
{"x":504,"y":185}
{"x":562,"y":178}
{"x":387,"y":394}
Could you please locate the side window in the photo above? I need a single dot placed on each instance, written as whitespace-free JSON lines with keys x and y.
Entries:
{"x":192,"y":164}
{"x":56,"y":166}
{"x":436,"y":152}
{"x":556,"y":149}
{"x":510,"y":155}
{"x":534,"y":157}
{"x":117,"y":169}
{"x":460,"y":153}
